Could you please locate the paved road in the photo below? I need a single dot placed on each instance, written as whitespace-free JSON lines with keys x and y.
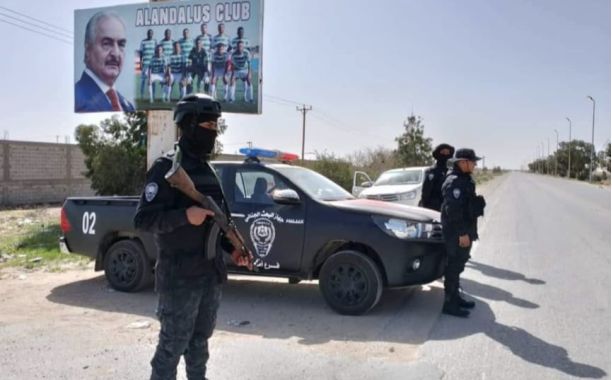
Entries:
{"x":540,"y":276}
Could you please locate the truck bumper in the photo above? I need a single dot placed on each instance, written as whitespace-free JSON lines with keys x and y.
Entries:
{"x":419,"y":264}
{"x":63,"y":246}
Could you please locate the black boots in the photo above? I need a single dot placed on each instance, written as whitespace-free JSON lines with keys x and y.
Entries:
{"x":465,"y":304}
{"x":452,"y":307}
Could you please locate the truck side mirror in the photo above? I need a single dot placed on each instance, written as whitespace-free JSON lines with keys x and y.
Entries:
{"x":286,"y":196}
{"x":366,"y":184}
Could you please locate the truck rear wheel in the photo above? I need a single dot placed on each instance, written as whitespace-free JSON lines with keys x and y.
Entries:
{"x":350,"y":282}
{"x":127,"y":267}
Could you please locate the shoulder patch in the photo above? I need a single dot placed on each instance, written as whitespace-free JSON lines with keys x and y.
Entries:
{"x":430,"y":176}
{"x":150,"y":191}
{"x":456,"y":193}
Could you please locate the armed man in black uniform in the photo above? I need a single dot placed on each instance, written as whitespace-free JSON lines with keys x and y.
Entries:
{"x":431,"y":196}
{"x":187,"y":276}
{"x":460,"y":210}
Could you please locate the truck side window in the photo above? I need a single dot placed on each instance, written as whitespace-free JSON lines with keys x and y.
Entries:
{"x":256,"y":186}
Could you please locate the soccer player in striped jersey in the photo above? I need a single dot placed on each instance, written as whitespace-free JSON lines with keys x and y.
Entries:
{"x":178,"y":73}
{"x":221,"y":38}
{"x":157,"y":73}
{"x":147,"y":50}
{"x":240,"y":38}
{"x":199,"y":59}
{"x":206,"y":39}
{"x":167,"y":43}
{"x":187,"y":45}
{"x":220,"y":63}
{"x":241,"y":69}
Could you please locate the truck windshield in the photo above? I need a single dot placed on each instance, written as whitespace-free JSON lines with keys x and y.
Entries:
{"x":400,"y":177}
{"x":315,"y":184}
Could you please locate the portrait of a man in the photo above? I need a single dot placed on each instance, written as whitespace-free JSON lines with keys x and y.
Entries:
{"x":105,"y":43}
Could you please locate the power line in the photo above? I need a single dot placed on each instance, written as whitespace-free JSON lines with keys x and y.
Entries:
{"x":36,"y":31}
{"x":341,"y":126}
{"x":34,"y":25}
{"x":292,"y":102}
{"x":38,"y":20}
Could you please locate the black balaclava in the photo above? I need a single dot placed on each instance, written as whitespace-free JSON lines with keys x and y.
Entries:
{"x":196,"y":141}
{"x":442,"y":159}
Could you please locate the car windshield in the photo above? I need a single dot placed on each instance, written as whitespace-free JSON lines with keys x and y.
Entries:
{"x":400,"y":177}
{"x":314,"y":184}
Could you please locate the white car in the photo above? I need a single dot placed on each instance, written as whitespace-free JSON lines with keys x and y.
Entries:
{"x":403,"y":185}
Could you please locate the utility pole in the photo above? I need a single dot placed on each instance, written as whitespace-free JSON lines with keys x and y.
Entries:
{"x":543,"y":159}
{"x":556,"y":155}
{"x":592,"y":141}
{"x":569,"y":151}
{"x":303,"y":109}
{"x":250,"y":144}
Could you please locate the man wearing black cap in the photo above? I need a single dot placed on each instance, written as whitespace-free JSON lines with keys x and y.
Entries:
{"x":187,"y":275}
{"x":460,"y":209}
{"x":431,"y":196}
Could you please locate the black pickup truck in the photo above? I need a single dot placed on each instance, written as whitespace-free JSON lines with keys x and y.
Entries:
{"x":299,"y":225}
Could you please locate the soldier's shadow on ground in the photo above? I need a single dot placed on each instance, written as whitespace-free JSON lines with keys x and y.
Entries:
{"x":503,"y":274}
{"x":519,"y":341}
{"x":283,"y":311}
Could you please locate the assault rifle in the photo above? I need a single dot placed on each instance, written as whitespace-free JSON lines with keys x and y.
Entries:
{"x":178,"y":178}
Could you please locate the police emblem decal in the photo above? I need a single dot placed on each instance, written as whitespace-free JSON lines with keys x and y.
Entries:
{"x":262,"y":235}
{"x":151,"y":191}
{"x":456,"y":193}
{"x":430,"y":176}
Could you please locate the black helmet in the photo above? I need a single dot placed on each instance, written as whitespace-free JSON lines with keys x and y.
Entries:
{"x":202,"y":106}
{"x":436,"y":152}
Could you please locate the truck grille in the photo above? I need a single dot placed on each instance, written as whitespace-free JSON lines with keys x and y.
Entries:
{"x":436,"y":233}
{"x":385,"y":197}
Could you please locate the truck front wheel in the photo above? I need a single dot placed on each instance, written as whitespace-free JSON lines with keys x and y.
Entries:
{"x":127,"y":267}
{"x":350,"y":282}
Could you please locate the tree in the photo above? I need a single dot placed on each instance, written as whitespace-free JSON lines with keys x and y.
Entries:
{"x":338,"y":170}
{"x":580,"y":151}
{"x":222,"y":126}
{"x":374,"y":160}
{"x":115,"y":153}
{"x":603,"y":158}
{"x":413,"y":148}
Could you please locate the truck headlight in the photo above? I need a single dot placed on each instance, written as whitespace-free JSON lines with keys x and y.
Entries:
{"x":407,"y":196}
{"x":404,"y":229}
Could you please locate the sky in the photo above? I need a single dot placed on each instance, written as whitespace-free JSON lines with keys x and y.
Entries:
{"x":496,"y":76}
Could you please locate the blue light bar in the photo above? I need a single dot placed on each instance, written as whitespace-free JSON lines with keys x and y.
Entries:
{"x":267,"y":153}
{"x":258,"y":152}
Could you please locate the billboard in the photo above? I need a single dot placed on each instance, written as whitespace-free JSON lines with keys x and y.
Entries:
{"x":147,"y":56}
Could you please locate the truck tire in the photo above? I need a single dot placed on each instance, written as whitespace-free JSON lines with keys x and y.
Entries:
{"x":350,"y":282}
{"x":127,"y":267}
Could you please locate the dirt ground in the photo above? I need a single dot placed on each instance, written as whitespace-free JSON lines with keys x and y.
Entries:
{"x":71,"y":325}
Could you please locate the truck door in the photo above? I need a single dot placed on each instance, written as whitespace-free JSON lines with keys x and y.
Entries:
{"x":275,"y":232}
{"x":361,"y":180}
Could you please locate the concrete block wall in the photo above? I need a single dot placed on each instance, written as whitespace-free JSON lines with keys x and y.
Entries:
{"x":34,"y":172}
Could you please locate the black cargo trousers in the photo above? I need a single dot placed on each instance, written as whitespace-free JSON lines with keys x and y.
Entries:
{"x":187,"y":311}
{"x":457,"y":257}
